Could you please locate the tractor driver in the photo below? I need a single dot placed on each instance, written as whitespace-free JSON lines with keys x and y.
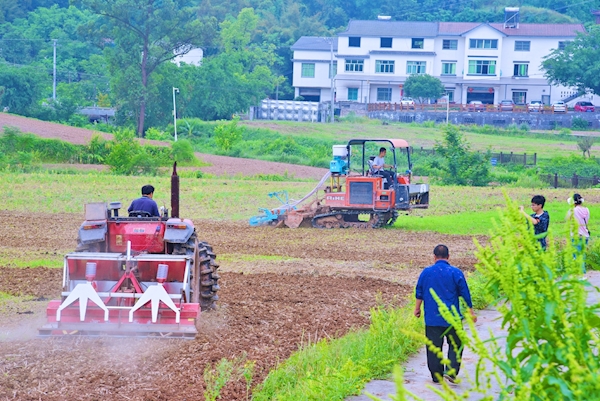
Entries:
{"x":379,"y":167}
{"x":145,"y":203}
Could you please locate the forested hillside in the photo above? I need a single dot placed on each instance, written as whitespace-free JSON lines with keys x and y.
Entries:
{"x":118,"y":52}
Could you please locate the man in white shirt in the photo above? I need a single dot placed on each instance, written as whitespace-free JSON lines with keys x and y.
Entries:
{"x":379,"y":167}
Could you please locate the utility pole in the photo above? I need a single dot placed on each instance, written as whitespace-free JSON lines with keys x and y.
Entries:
{"x":54,"y":73}
{"x":332,"y":75}
{"x":175,"y":90}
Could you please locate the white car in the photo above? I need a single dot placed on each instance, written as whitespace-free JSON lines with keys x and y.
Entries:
{"x":559,"y":107}
{"x":535,"y":105}
{"x":407,"y":101}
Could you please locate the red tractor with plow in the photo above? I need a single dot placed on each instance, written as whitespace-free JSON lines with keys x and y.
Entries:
{"x":135,"y":276}
{"x":358,"y":195}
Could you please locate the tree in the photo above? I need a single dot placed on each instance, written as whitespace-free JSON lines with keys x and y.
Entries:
{"x":460,"y":165}
{"x":233,"y":80}
{"x":23,"y":88}
{"x":423,"y":87}
{"x":585,"y":143}
{"x":577,"y":64}
{"x":145,"y":34}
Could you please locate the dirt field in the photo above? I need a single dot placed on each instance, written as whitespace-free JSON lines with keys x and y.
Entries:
{"x":280,"y":288}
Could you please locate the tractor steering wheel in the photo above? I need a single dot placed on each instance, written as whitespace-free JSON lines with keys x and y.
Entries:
{"x":139,"y":213}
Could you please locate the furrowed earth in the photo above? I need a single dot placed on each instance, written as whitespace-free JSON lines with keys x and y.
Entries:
{"x":281,"y":289}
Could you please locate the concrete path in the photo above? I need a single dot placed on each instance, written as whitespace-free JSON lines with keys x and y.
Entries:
{"x":417,"y":378}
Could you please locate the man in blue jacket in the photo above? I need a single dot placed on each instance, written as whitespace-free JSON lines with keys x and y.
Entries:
{"x":449,"y":284}
{"x":145,"y":203}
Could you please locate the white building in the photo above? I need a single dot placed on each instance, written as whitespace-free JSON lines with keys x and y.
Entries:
{"x":474,"y":61}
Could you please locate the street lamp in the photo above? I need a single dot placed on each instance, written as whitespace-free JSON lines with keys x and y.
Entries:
{"x":175,"y":90}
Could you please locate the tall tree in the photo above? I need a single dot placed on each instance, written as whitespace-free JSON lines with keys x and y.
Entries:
{"x":577,"y":64}
{"x":145,"y":34}
{"x":423,"y":87}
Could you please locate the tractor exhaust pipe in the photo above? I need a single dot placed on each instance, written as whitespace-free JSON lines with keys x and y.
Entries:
{"x":174,"y":192}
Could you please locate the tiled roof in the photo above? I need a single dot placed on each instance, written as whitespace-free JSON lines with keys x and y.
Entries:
{"x":391,"y":28}
{"x":552,"y":30}
{"x":315,"y":43}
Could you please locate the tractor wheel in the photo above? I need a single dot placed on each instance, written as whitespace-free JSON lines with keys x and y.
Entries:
{"x":208,"y":278}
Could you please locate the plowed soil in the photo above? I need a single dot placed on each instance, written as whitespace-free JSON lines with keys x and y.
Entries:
{"x":280,"y":288}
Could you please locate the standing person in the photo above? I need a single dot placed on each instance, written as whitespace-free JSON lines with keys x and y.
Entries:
{"x":379,"y":167}
{"x":582,"y":217}
{"x":449,"y":284}
{"x":145,"y":203}
{"x":539,"y":218}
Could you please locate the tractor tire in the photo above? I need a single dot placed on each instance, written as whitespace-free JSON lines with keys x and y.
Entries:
{"x":208,"y":280}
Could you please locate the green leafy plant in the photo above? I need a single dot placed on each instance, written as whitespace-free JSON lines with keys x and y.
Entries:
{"x":228,"y":134}
{"x":215,"y":379}
{"x":579,"y":124}
{"x":460,"y":166}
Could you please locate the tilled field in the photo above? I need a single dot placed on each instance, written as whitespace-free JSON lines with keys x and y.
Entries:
{"x":280,"y":288}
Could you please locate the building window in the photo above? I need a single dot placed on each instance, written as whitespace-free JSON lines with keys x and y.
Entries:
{"x":333,"y":71}
{"x":354,"y":41}
{"x":450,"y":95}
{"x":416,"y":67}
{"x":418,"y":43}
{"x":448,"y":68}
{"x":386,"y":42}
{"x":384,"y":94}
{"x":450,"y":44}
{"x":522,"y":45}
{"x":482,"y":67}
{"x":519,"y":97}
{"x":353,"y":94}
{"x":561,"y":45}
{"x":386,"y":66}
{"x":308,"y":70}
{"x":354,"y":65}
{"x":521,"y":70}
{"x":483,"y":43}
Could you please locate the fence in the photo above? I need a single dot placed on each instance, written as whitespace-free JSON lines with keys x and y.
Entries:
{"x":496,"y":158}
{"x":576,"y":181}
{"x":490,"y":108}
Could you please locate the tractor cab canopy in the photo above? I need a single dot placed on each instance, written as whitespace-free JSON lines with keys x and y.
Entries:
{"x":397,"y":155}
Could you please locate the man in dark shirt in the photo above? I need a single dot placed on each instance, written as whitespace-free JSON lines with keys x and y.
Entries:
{"x":145,"y":203}
{"x":449,"y":284}
{"x":539,"y":218}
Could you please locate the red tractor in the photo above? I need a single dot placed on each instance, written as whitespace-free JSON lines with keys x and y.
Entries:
{"x":135,"y":275}
{"x":357,"y":194}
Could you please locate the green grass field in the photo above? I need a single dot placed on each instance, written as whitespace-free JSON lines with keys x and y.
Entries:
{"x":453,"y":210}
{"x":418,"y":136}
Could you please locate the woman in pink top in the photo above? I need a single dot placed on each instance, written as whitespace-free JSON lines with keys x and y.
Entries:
{"x":582,"y":216}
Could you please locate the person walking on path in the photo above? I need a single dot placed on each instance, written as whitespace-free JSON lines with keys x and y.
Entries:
{"x":449,"y":284}
{"x":539,"y":218}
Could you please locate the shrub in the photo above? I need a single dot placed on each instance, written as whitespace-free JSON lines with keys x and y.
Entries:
{"x":460,"y":166}
{"x":579,"y":124}
{"x":157,"y":135}
{"x":228,"y":134}
{"x":183,"y":152}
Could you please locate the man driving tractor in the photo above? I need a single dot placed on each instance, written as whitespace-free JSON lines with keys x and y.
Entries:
{"x":379,"y":167}
{"x":145,"y":204}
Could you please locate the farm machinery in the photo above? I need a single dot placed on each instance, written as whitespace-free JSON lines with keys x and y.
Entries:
{"x":353,"y":193}
{"x":134,"y":276}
